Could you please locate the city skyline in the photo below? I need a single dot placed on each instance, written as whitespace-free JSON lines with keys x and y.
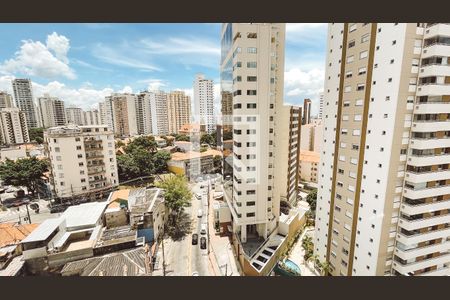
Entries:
{"x":91,"y":61}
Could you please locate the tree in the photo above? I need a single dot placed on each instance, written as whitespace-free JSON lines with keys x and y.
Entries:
{"x":36,"y":134}
{"x":136,"y":163}
{"x":146,"y":142}
{"x":182,"y":138}
{"x":160,"y":160}
{"x":312,"y":200}
{"x":217,"y":163}
{"x":208,"y":139}
{"x":23,"y":172}
{"x":177,"y":195}
{"x":119,"y":144}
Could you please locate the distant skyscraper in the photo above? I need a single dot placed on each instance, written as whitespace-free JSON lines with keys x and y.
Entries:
{"x":91,"y":117}
{"x":124,"y":115}
{"x":51,"y":111}
{"x":178,"y":109}
{"x":159,"y":113}
{"x":204,"y":102}
{"x":320,"y":105}
{"x":13,"y":126}
{"x":306,"y":111}
{"x":74,"y":115}
{"x":143,"y":112}
{"x":6,"y":100}
{"x":23,"y":95}
{"x":102,"y":112}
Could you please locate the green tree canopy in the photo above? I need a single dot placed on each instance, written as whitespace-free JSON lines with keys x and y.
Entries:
{"x":312,"y":200}
{"x":23,"y":172}
{"x":177,"y":194}
{"x":209,"y":139}
{"x":182,"y":138}
{"x":217,"y":163}
{"x":146,"y":142}
{"x":36,"y":134}
{"x":160,"y":160}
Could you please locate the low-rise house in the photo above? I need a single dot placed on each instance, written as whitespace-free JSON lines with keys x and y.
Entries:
{"x":192,"y":164}
{"x":160,"y":142}
{"x":309,"y":165}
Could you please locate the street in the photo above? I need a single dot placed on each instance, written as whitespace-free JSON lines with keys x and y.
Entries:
{"x":181,"y":257}
{"x":14,"y":214}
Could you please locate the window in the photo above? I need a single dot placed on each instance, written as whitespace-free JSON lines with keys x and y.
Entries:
{"x":348,"y":74}
{"x":251,"y":105}
{"x":360,"y":87}
{"x":251,"y":119}
{"x":356,"y":132}
{"x":252,"y":35}
{"x":357,"y":118}
{"x":365,"y":38}
{"x":362,"y":71}
{"x":251,"y":92}
{"x":352,"y":28}
{"x":250,"y":214}
{"x":363,"y":54}
{"x":351,"y":44}
{"x":251,"y":50}
{"x":251,"y":64}
{"x":359,"y":102}
{"x":251,"y":78}
{"x":77,"y":139}
{"x":350,"y":58}
{"x":251,"y":203}
{"x":251,"y":192}
{"x":347,"y":89}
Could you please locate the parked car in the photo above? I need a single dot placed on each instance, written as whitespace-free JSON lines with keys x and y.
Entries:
{"x":200,"y":213}
{"x":34,"y":206}
{"x":194,"y":239}
{"x":202,"y":242}
{"x":195,"y":273}
{"x":198,"y":196}
{"x":203,"y":229}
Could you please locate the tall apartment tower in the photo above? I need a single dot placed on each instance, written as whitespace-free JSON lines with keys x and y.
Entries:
{"x":306,"y":111}
{"x":91,"y":117}
{"x":382,"y":203}
{"x":159,"y":113}
{"x":121,"y":114}
{"x":144,"y":114}
{"x":13,"y":126}
{"x":252,"y":73}
{"x":102,"y":112}
{"x":74,"y":115}
{"x":82,"y":158}
{"x":204,"y":102}
{"x":6,"y":100}
{"x":23,"y":95}
{"x":320,"y":105}
{"x":51,"y":111}
{"x":178,"y":109}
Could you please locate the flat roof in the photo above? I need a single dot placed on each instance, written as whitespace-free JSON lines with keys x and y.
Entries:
{"x":194,"y":154}
{"x":43,"y":231}
{"x":84,"y":214}
{"x":309,"y":156}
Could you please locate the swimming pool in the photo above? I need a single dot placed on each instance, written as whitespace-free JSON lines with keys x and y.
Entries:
{"x":292,"y":265}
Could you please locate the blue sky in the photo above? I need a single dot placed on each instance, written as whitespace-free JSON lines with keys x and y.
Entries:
{"x":82,"y":63}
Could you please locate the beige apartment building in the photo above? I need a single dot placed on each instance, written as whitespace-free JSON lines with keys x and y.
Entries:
{"x":74,"y":115}
{"x":178,"y":109}
{"x":91,"y":117}
{"x":51,"y":111}
{"x":6,"y":100}
{"x":204,"y":102}
{"x":83,"y":160}
{"x":122,"y":114}
{"x":23,"y":96}
{"x":312,"y":136}
{"x":383,"y":204}
{"x":257,"y":167}
{"x":13,"y":126}
{"x":306,"y":111}
{"x":309,"y":166}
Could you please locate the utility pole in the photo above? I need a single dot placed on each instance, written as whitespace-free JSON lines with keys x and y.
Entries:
{"x":28,"y":214}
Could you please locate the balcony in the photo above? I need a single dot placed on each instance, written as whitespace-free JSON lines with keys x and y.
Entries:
{"x":418,"y":177}
{"x":431,"y":125}
{"x":98,"y":180}
{"x":425,"y":207}
{"x":428,"y":160}
{"x":432,"y":107}
{"x":416,"y":252}
{"x":423,"y":222}
{"x":429,"y":143}
{"x":437,"y":29}
{"x":426,"y":192}
{"x":435,"y":50}
{"x":434,"y":89}
{"x":411,"y":267}
{"x":89,"y":149}
{"x":95,"y":156}
{"x":434,"y":70}
{"x":422,"y":237}
{"x":444,"y":271}
{"x":95,"y":170}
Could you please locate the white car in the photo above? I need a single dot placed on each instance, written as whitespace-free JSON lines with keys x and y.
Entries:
{"x":195,"y":273}
{"x":200,"y":213}
{"x":198,"y":196}
{"x":203,"y":229}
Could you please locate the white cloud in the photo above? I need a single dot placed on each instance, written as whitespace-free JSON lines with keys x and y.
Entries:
{"x":154,"y":84}
{"x":175,"y":46}
{"x":36,"y":59}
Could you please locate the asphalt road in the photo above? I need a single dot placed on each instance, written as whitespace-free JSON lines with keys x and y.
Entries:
{"x":14,"y":214}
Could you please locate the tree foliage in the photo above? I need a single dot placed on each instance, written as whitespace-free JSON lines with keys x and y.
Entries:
{"x":312,"y":200}
{"x":209,"y":138}
{"x":23,"y":172}
{"x":177,"y":194}
{"x":146,"y":142}
{"x":217,"y":161}
{"x":160,"y":160}
{"x":36,"y":134}
{"x":182,"y":138}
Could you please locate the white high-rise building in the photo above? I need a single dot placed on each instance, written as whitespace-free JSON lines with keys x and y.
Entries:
{"x":121,"y":115}
{"x":179,"y":110}
{"x":261,"y":166}
{"x":23,"y":95}
{"x":91,"y":117}
{"x":51,"y":111}
{"x":204,"y":102}
{"x":6,"y":100}
{"x":13,"y":126}
{"x":383,"y":200}
{"x":144,"y":113}
{"x":83,"y":160}
{"x":103,"y":113}
{"x":74,"y":115}
{"x":159,"y":113}
{"x":320,"y":105}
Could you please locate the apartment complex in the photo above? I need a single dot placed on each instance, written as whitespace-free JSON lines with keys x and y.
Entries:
{"x":178,"y":109}
{"x":6,"y":100}
{"x":252,"y":73}
{"x":320,"y":105}
{"x":74,"y":115}
{"x":159,"y":113}
{"x":309,"y":166}
{"x":91,"y":117}
{"x":82,"y":158}
{"x":306,"y":111}
{"x":312,"y":136}
{"x":383,"y":202}
{"x":144,"y":115}
{"x":23,"y":95}
{"x":13,"y":126}
{"x":51,"y":111}
{"x":121,"y":114}
{"x":204,"y":102}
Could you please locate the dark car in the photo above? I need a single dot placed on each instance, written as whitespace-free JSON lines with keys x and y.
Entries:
{"x":202,"y":242}
{"x":34,"y":206}
{"x":194,"y":239}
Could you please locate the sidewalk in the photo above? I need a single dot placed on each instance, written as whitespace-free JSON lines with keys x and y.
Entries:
{"x":222,"y":253}
{"x":298,"y":252}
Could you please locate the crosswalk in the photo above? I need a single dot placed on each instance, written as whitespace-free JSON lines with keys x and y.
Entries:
{"x":12,"y":214}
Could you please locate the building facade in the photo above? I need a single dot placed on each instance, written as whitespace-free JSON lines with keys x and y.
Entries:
{"x":159,"y":113}
{"x":121,"y":114}
{"x":83,"y":159}
{"x":51,"y":111}
{"x":204,"y":102}
{"x":13,"y":126}
{"x":91,"y":117}
{"x":320,"y":105}
{"x":381,"y":206}
{"x":6,"y":100}
{"x":312,"y":136}
{"x":23,"y":96}
{"x":74,"y":115}
{"x":144,"y":114}
{"x":309,"y":166}
{"x":306,"y":111}
{"x":179,"y":110}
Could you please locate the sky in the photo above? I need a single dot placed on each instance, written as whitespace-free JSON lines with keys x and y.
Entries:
{"x":83,"y":63}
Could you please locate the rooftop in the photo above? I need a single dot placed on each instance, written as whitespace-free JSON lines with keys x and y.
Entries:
{"x":43,"y":231}
{"x":86,"y":214}
{"x":12,"y":234}
{"x":194,"y":154}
